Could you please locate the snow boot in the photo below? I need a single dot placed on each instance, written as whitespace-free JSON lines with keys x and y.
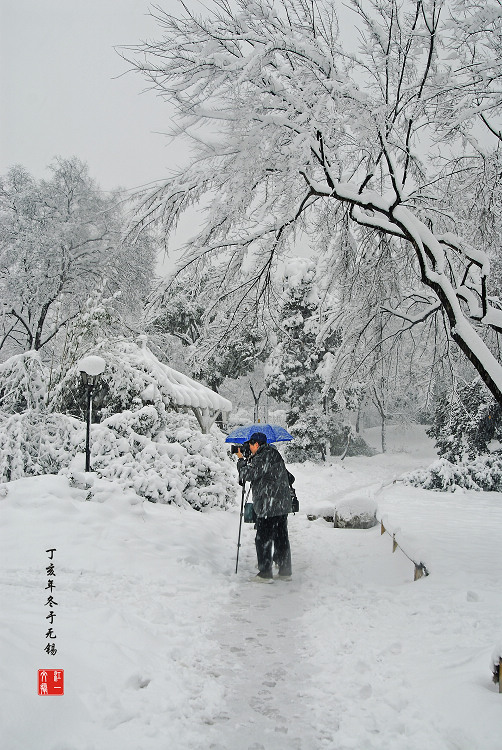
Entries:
{"x":262,"y":579}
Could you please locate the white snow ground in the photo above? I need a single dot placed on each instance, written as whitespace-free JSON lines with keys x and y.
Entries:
{"x":164,"y":648}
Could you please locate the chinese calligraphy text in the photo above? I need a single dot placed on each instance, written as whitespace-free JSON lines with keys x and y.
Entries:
{"x":50,"y":647}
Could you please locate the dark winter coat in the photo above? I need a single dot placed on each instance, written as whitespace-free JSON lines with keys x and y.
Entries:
{"x":270,"y":481}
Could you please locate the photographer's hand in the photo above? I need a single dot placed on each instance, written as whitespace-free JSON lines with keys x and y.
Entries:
{"x":239,"y":453}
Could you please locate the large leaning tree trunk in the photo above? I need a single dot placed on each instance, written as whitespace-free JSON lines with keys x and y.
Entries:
{"x":297,"y":117}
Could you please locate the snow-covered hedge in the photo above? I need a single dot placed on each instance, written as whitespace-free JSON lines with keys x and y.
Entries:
{"x":482,"y":473}
{"x":162,"y":455}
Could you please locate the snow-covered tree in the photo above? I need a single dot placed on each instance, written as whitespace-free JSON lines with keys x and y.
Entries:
{"x":178,"y":311}
{"x":216,"y":347}
{"x":380,"y":357}
{"x":295,"y":370}
{"x":465,"y":422}
{"x":98,"y":321}
{"x":23,"y":383}
{"x":61,"y":239}
{"x":291,"y":373}
{"x":293,"y":127}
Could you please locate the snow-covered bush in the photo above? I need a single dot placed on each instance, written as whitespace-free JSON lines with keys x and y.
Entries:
{"x":34,"y":442}
{"x":465,"y":422}
{"x":141,"y":442}
{"x":161,"y":455}
{"x":314,"y":432}
{"x":164,"y":457}
{"x":480,"y":473}
{"x":23,"y":383}
{"x":464,"y":425}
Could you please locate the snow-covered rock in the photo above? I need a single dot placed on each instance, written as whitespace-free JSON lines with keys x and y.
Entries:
{"x":355,"y":512}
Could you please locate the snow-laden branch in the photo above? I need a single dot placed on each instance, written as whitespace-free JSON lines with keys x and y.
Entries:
{"x":413,"y":319}
{"x":306,"y":124}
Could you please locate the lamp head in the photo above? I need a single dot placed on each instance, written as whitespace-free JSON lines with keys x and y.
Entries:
{"x":91,"y":368}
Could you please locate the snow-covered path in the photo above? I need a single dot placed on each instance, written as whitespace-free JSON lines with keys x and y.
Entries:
{"x":163,"y":646}
{"x":264,"y":641}
{"x":315,"y":663}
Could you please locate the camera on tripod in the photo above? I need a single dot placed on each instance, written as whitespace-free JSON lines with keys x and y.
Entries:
{"x":244,"y":448}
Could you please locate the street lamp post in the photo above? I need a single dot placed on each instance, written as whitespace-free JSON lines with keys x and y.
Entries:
{"x":90,"y":368}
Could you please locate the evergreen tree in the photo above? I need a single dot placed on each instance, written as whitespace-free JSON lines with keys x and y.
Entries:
{"x":465,"y":421}
{"x":216,"y":346}
{"x":294,"y":369}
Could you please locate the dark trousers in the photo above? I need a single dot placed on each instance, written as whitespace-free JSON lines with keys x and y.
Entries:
{"x":272,"y":540}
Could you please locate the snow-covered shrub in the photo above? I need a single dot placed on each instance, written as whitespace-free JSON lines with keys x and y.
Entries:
{"x":33,"y":443}
{"x":23,"y":383}
{"x":140,"y":442}
{"x":465,"y":422}
{"x":162,"y":455}
{"x":165,"y":458}
{"x":464,"y":425}
{"x":480,"y":473}
{"x":313,"y":432}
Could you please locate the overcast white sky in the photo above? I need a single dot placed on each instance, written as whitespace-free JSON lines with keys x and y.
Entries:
{"x":60,"y":94}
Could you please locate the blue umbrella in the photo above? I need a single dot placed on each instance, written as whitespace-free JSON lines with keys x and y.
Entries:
{"x":274,"y":433}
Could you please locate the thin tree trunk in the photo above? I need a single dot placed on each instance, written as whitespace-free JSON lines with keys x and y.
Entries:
{"x":384,"y":433}
{"x":256,"y":398}
{"x":358,"y":419}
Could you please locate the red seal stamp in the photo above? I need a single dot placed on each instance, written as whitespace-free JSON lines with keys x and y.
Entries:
{"x":51,"y":681}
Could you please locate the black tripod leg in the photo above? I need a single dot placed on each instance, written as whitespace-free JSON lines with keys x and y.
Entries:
{"x":240,"y":527}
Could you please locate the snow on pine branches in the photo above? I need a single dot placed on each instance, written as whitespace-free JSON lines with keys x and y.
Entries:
{"x":467,"y":429}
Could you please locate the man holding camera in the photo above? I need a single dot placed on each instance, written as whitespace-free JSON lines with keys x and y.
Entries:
{"x":271,"y":487}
